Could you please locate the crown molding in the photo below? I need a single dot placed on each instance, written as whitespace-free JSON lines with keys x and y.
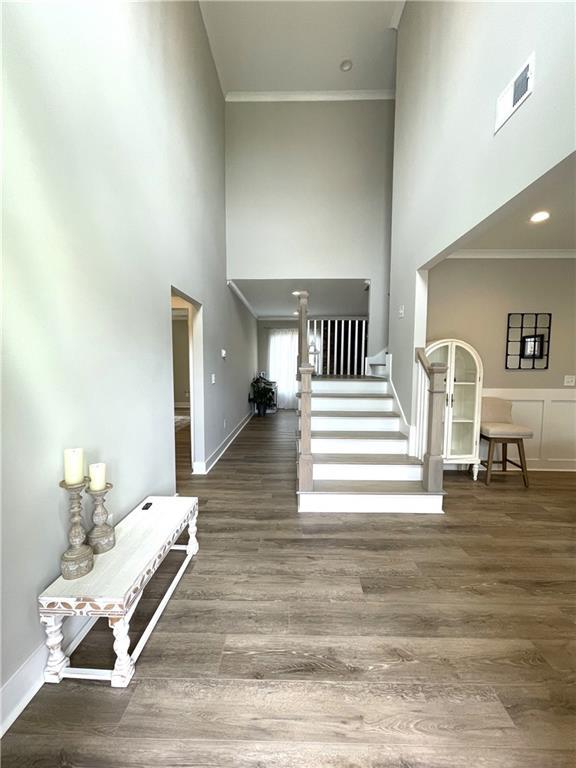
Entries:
{"x":397,"y":15}
{"x":272,"y":96}
{"x":513,"y":254}
{"x":234,"y":288}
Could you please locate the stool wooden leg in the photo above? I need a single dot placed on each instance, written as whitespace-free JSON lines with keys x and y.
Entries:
{"x":523,"y":462}
{"x":504,"y":456}
{"x":491,"y":446}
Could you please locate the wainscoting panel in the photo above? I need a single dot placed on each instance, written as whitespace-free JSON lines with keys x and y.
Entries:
{"x":551,"y":413}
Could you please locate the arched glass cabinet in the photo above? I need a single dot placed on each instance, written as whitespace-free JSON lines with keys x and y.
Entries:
{"x":463,"y":400}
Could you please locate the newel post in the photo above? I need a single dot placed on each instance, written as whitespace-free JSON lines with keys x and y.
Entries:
{"x":433,"y":470}
{"x":305,"y":454}
{"x":303,"y":329}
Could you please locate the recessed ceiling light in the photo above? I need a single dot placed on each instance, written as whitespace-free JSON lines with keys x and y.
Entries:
{"x":295,"y":313}
{"x":539,"y":216}
{"x":295,"y":293}
{"x":346,"y":65}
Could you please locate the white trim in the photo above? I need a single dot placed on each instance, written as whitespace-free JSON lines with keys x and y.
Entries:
{"x":19,"y":690}
{"x":374,"y":503}
{"x":270,"y":96}
{"x":397,"y":15}
{"x":203,"y":467}
{"x":544,"y":437}
{"x":513,"y":254}
{"x":232,"y":285}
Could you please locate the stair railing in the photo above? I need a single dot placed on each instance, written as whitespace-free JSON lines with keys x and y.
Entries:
{"x":305,"y":371}
{"x":302,"y":330}
{"x":430,"y":394}
{"x":305,"y":482}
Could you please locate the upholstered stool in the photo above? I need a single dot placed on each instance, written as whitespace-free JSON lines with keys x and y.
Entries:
{"x":496,"y":426}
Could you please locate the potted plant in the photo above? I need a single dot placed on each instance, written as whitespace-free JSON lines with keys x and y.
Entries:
{"x":262,"y":394}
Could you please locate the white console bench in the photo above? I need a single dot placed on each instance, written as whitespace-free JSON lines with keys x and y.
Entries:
{"x":115,"y":585}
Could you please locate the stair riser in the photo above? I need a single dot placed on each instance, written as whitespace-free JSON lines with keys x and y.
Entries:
{"x":367,"y":472}
{"x":320,"y":403}
{"x":366,"y":503}
{"x":352,"y":424}
{"x":345,"y":445}
{"x":350,"y":385}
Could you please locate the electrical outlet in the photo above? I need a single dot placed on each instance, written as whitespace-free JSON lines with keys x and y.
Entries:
{"x":570,"y":381}
{"x":401,"y":311}
{"x":213,"y":378}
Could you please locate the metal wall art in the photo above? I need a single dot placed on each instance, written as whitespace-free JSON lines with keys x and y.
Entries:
{"x":528,"y":341}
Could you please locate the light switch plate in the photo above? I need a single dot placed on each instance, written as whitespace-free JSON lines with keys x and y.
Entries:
{"x":401,"y":311}
{"x":213,"y":378}
{"x":570,"y":381}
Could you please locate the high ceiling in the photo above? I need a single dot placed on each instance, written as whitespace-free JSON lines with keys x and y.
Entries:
{"x":510,"y":228}
{"x":274,"y":299}
{"x":294,"y":47}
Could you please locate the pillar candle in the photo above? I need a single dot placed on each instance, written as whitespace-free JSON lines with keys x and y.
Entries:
{"x":73,"y":465}
{"x":97,"y":474}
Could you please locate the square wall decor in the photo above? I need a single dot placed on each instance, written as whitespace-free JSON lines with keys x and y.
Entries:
{"x":528,"y":341}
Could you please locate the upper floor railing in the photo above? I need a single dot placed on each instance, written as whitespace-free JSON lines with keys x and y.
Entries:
{"x":338,"y":346}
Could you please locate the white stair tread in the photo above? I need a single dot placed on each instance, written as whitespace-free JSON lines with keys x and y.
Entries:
{"x":358,"y":414}
{"x":348,"y":378}
{"x":354,"y":395}
{"x":356,"y":434}
{"x":365,"y":458}
{"x":374,"y":487}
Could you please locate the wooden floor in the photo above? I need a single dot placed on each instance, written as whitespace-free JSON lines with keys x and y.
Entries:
{"x":339,"y":642}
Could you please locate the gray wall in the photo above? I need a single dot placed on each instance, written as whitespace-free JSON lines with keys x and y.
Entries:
{"x":470,"y":299}
{"x":308,"y":194}
{"x":450,"y":171}
{"x":114,"y":188}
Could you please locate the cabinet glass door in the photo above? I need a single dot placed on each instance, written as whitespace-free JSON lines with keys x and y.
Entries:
{"x":442,"y":355}
{"x":463,"y":402}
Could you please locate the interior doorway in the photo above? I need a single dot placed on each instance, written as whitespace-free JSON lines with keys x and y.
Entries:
{"x":187,"y":383}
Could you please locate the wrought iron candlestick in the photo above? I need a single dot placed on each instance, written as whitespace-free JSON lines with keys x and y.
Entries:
{"x":101,"y":538}
{"x":78,"y":560}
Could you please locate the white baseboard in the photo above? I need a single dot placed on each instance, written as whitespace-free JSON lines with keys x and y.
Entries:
{"x":19,"y":690}
{"x":203,"y":467}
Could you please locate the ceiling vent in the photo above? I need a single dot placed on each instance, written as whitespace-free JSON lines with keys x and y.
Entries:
{"x":515,"y":93}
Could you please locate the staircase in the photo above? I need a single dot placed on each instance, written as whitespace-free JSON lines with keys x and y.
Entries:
{"x":359,"y":450}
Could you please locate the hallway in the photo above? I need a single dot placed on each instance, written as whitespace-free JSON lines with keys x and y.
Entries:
{"x":338,"y":642}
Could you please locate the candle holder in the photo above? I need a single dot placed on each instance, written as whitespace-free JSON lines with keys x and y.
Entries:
{"x":101,"y":538}
{"x":78,"y":560}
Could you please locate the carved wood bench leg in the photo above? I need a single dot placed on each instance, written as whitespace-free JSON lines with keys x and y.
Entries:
{"x":193,"y":546}
{"x":124,"y":666}
{"x":57,"y":660}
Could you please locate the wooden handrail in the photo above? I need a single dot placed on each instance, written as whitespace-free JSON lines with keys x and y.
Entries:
{"x":429,"y":368}
{"x":433,"y":463}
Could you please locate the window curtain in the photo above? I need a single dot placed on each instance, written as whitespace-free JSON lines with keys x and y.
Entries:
{"x":282,"y":359}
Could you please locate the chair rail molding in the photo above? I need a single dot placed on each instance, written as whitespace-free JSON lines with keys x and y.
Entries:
{"x":551,"y":414}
